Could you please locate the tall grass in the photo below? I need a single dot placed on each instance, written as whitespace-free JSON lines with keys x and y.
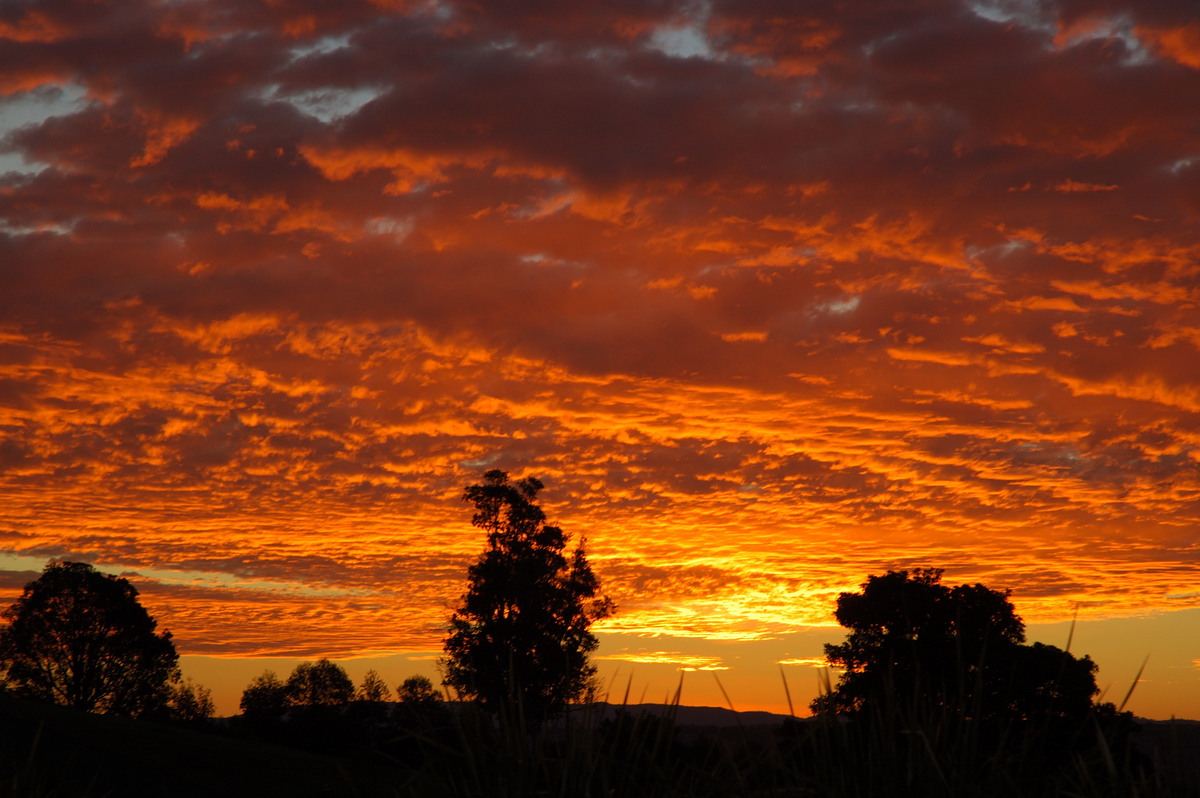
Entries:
{"x":22,"y":776}
{"x":596,"y":749}
{"x":902,"y":747}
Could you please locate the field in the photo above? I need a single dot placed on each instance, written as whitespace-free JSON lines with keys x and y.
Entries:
{"x":602,"y":750}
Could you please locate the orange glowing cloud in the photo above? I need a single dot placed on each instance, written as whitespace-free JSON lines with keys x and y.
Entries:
{"x":683,"y":662}
{"x":1181,"y":43}
{"x":161,"y":136}
{"x":33,"y":26}
{"x":770,"y":299}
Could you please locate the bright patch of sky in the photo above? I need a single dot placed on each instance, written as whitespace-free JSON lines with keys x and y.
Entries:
{"x":1121,"y":28}
{"x":24,"y":230}
{"x":839,"y":306}
{"x":32,"y":108}
{"x":1037,"y":15}
{"x":685,"y":41}
{"x":996,"y":251}
{"x":481,"y":462}
{"x":542,"y":259}
{"x":328,"y":105}
{"x":326,"y":44}
{"x":167,"y":576}
{"x":1029,"y":13}
{"x":389,"y":225}
{"x":685,"y":38}
{"x":1183,"y":163}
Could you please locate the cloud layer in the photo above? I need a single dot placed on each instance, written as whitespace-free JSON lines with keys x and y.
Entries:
{"x":770,"y":296}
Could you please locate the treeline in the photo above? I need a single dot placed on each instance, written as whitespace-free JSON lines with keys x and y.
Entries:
{"x":939,"y":693}
{"x":326,"y":683}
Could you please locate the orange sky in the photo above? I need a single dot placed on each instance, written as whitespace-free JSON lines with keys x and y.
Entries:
{"x":771,"y":297}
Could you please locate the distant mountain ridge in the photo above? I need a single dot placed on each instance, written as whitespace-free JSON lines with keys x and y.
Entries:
{"x":717,"y":717}
{"x":723,"y":717}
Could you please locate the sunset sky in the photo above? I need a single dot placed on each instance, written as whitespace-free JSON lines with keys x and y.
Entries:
{"x":771,"y":295}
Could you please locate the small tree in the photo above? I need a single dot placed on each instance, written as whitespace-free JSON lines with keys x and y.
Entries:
{"x":191,"y":702}
{"x":322,"y":683}
{"x":373,"y":688}
{"x":266,"y":696}
{"x":521,"y":638}
{"x":80,"y":638}
{"x":418,"y":691}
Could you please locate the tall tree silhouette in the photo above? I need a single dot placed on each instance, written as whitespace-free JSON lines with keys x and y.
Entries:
{"x":520,"y":642}
{"x":80,"y":638}
{"x":961,"y":649}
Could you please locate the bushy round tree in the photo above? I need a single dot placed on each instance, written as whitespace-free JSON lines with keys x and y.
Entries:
{"x":321,"y":683}
{"x":961,"y":649}
{"x":418,"y":691}
{"x":80,"y":638}
{"x":265,"y":697}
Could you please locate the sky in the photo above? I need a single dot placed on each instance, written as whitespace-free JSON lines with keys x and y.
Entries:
{"x":772,"y":296}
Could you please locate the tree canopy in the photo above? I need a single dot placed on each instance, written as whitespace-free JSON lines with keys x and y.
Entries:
{"x":81,"y":638}
{"x":322,"y":683}
{"x":266,"y":696}
{"x":190,"y":702}
{"x":373,"y":688}
{"x":418,"y":690}
{"x":521,"y":639}
{"x":959,"y":648}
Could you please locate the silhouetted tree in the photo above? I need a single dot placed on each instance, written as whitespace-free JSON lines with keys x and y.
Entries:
{"x":321,"y":683}
{"x":265,"y":697}
{"x":521,"y":638}
{"x":373,"y":688}
{"x":956,"y":648}
{"x":418,"y":690}
{"x":190,"y":702}
{"x":80,"y":638}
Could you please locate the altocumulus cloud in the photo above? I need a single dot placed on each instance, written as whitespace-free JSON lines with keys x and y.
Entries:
{"x":276,"y":281}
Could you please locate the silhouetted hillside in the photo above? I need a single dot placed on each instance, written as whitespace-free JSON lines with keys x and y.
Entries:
{"x":707,"y":717}
{"x":56,"y":751}
{"x":49,"y":752}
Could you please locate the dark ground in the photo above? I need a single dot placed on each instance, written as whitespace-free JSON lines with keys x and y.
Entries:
{"x":54,"y":751}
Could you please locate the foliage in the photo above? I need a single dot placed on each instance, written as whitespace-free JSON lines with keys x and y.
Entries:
{"x":266,"y":696}
{"x":190,"y":702}
{"x":321,"y":683}
{"x":373,"y":688}
{"x":959,"y":648}
{"x":521,"y":639}
{"x":80,"y":638}
{"x":418,"y":690}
